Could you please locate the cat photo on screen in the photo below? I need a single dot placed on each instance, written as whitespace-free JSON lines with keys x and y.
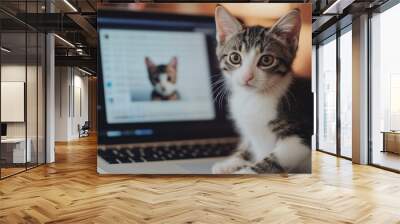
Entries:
{"x":163,"y":78}
{"x":272,"y":108}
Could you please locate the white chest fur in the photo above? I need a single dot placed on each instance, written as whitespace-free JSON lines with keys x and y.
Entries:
{"x":252,"y":113}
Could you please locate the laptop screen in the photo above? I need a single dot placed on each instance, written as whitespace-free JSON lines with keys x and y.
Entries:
{"x":159,"y":78}
{"x":155,"y":76}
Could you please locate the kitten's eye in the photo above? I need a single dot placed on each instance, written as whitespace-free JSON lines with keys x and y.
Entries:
{"x":169,"y":78}
{"x":266,"y":61}
{"x":156,"y":79}
{"x":235,"y":58}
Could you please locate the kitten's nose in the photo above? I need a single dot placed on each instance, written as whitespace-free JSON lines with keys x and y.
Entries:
{"x":247,"y":78}
{"x":163,"y":89}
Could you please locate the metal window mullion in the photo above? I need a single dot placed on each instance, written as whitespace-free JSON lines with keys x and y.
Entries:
{"x":26,"y":87}
{"x":317,"y":96}
{"x":369,"y":100}
{"x":45,"y":93}
{"x":37,"y":91}
{"x":338,"y":94}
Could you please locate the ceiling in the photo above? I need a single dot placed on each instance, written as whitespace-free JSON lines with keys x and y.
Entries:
{"x":72,"y":20}
{"x":329,"y":15}
{"x":75,"y":21}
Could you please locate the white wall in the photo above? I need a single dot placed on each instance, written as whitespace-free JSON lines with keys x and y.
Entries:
{"x":62,"y":81}
{"x":50,"y":94}
{"x":33,"y":126}
{"x":17,"y":73}
{"x":71,"y":87}
{"x":80,"y":94}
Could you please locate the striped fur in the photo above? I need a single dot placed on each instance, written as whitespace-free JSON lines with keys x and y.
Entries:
{"x":271,"y":108}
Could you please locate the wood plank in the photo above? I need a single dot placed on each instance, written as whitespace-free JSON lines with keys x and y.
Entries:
{"x":70,"y":191}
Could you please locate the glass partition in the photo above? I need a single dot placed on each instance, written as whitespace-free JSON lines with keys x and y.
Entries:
{"x":41,"y":107}
{"x":14,"y":153}
{"x":32,"y":87}
{"x":22,"y":77}
{"x":31,"y":99}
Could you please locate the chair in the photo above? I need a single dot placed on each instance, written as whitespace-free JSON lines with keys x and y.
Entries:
{"x":84,"y":130}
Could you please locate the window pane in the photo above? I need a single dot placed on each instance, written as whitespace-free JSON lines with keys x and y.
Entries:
{"x":41,"y":98}
{"x":385,"y":89}
{"x":327,"y":97}
{"x":346,"y":94}
{"x":31,"y":99}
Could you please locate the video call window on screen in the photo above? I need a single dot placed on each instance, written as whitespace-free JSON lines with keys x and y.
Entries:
{"x":163,"y":76}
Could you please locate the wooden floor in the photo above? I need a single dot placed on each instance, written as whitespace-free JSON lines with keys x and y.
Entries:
{"x":387,"y":159}
{"x":5,"y":172}
{"x":10,"y":171}
{"x":70,"y":191}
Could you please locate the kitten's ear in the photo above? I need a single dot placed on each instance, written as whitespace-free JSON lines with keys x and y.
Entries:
{"x":288,"y":27}
{"x":226,"y":24}
{"x":173,"y":62}
{"x":148,"y":62}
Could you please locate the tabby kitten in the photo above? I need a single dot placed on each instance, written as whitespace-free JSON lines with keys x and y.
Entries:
{"x":272,"y":110}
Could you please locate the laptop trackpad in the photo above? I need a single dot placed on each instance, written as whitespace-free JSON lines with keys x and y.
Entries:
{"x":199,"y":167}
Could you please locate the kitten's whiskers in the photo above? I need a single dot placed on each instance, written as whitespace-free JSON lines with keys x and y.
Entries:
{"x":220,"y":90}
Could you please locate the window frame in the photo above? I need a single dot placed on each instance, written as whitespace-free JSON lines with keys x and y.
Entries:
{"x":333,"y":37}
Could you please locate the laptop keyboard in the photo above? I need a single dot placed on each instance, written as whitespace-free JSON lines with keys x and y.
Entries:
{"x":160,"y":153}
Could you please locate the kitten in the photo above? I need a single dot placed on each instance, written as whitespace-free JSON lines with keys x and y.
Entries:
{"x":163,"y":78}
{"x":272,"y":110}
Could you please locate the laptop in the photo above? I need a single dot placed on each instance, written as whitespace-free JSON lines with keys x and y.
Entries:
{"x":159,"y":106}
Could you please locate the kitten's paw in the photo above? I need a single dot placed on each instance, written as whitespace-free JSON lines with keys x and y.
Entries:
{"x":269,"y":165}
{"x":245,"y":170}
{"x":227,"y":167}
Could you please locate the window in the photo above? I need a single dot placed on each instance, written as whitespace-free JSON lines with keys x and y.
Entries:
{"x":385,"y":89}
{"x":394,"y":119}
{"x":346,"y":93}
{"x":327,"y":96}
